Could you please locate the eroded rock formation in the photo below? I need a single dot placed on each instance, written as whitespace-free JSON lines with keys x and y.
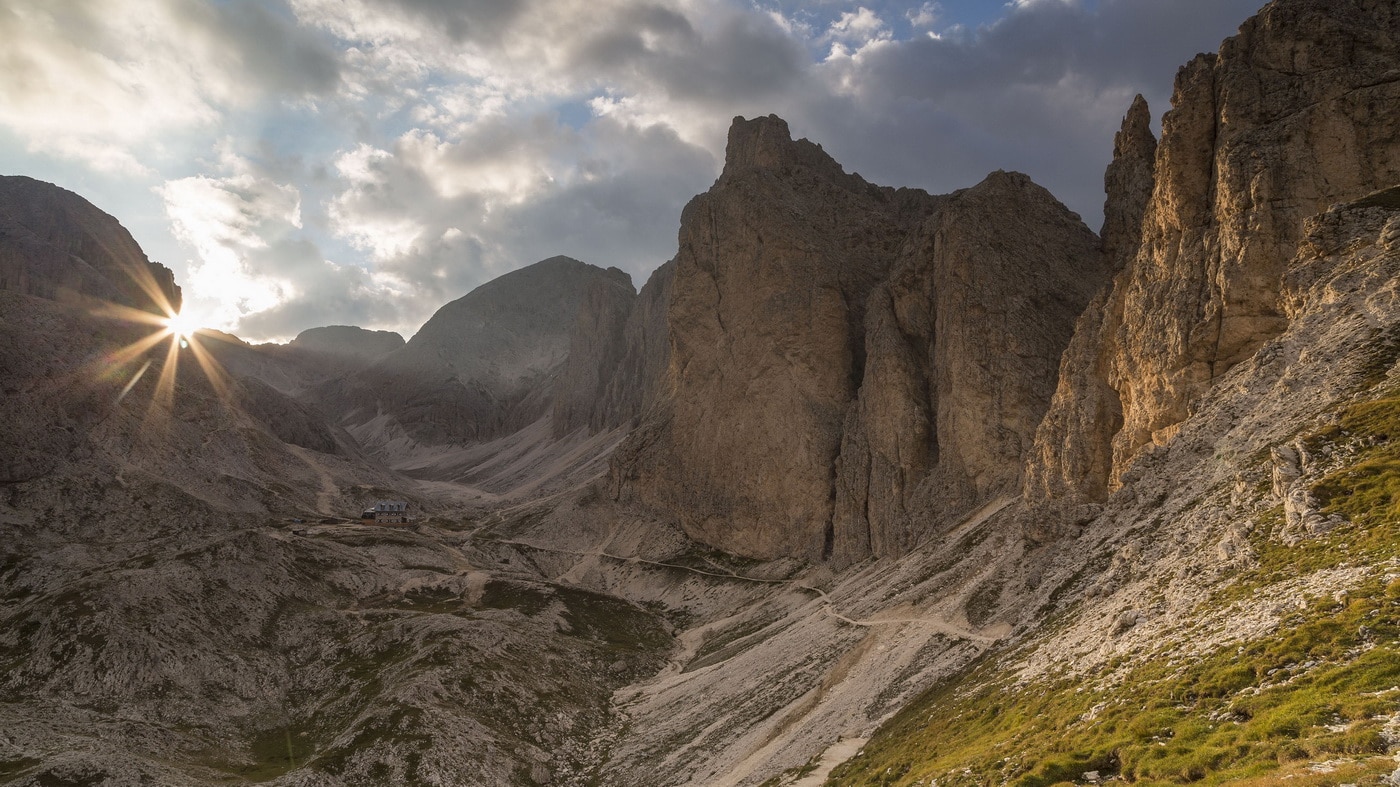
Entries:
{"x":1295,"y":113}
{"x":962,"y":348}
{"x":841,"y":350}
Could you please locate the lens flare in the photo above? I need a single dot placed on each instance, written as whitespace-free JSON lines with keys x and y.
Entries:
{"x":183,"y":326}
{"x":186,"y":338}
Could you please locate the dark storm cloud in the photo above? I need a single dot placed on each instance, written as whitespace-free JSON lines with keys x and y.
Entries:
{"x":626,"y":214}
{"x":616,"y":201}
{"x":270,"y":48}
{"x":1121,"y":43}
{"x":1042,"y":92}
{"x":479,"y":21}
{"x":742,"y":57}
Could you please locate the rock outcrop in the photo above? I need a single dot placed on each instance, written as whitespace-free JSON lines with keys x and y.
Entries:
{"x":1295,"y":113}
{"x":596,"y":347}
{"x":617,"y":356}
{"x":57,"y":245}
{"x":1072,"y":448}
{"x":840,"y":349}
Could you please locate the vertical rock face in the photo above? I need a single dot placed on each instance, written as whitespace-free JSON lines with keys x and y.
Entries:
{"x":617,"y":355}
{"x":596,"y":347}
{"x":766,"y":316}
{"x":57,"y":245}
{"x":639,"y":377}
{"x":851,"y":363}
{"x":962,"y":348}
{"x":1295,"y":113}
{"x":1072,"y":449}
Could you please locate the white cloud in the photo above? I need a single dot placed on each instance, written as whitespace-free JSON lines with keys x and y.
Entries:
{"x":859,"y":27}
{"x":225,"y":220}
{"x":107,"y":82}
{"x":855,"y":34}
{"x":369,"y":213}
{"x":926,"y":15}
{"x":429,"y":145}
{"x":68,"y":98}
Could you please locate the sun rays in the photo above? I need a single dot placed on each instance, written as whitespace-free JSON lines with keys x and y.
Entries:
{"x":179,"y":331}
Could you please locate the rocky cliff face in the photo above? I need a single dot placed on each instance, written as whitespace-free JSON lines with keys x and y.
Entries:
{"x":962,"y":349}
{"x":1294,"y":114}
{"x":859,"y":338}
{"x":766,"y":316}
{"x":596,"y":347}
{"x":57,"y":245}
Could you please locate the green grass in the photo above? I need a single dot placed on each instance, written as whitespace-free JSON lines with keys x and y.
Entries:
{"x":401,"y":725}
{"x":1253,"y":714}
{"x":527,"y":599}
{"x":611,"y":621}
{"x":1368,"y":489}
{"x":1241,"y":713}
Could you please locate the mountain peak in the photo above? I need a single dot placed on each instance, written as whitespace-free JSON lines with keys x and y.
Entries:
{"x":765,"y":143}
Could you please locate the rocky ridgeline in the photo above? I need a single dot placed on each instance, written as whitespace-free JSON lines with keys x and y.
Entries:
{"x":560,"y":343}
{"x":895,"y":354}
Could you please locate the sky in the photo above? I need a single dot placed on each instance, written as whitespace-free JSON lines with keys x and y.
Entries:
{"x":315,"y":162}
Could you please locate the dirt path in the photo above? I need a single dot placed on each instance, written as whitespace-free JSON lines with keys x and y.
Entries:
{"x":802,"y":711}
{"x":939,"y":624}
{"x":325,"y":497}
{"x":834,"y":755}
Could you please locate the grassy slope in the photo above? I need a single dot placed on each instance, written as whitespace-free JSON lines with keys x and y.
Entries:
{"x":1318,"y":690}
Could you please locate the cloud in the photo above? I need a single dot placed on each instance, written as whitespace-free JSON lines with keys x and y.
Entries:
{"x":441,"y":218}
{"x":380,"y":157}
{"x":925,"y":16}
{"x":109,"y":82}
{"x":858,"y":27}
{"x":1042,"y":91}
{"x":225,"y":220}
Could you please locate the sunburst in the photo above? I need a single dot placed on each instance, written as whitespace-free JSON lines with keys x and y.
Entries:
{"x":179,"y":330}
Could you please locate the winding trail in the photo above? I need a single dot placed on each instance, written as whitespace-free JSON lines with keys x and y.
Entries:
{"x":942,"y":625}
{"x":326,"y":495}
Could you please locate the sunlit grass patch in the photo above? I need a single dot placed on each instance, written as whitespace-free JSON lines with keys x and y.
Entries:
{"x":1251,"y":713}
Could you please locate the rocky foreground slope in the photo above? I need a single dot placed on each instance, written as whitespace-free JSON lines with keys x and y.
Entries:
{"x":866,"y":486}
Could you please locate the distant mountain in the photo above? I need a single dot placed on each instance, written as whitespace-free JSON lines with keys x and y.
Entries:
{"x":509,"y":370}
{"x":349,"y":341}
{"x":165,"y":557}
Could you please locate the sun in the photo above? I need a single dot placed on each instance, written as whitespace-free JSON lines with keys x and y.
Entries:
{"x":182,"y":326}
